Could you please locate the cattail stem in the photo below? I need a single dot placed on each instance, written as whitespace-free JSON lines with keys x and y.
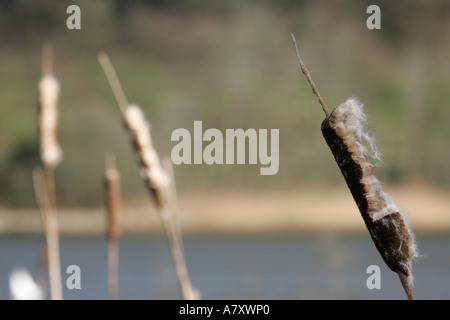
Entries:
{"x":44,"y":188}
{"x":406,"y":286}
{"x":187,"y":290}
{"x":309,"y":78}
{"x":113,"y":268}
{"x":112,"y":195}
{"x":113,"y":81}
{"x":47,"y":59}
{"x":38,"y":185}
{"x":173,"y":198}
{"x":169,"y":215}
{"x":52,"y":235}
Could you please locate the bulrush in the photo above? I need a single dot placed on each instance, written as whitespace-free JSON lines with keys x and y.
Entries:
{"x":343,"y":130}
{"x":151,"y":171}
{"x":156,"y":179}
{"x":388,"y":225}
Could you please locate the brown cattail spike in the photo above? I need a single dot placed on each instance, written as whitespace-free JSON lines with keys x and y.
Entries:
{"x":387,"y":224}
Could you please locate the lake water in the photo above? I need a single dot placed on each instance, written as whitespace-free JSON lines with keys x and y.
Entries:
{"x":313,"y":266}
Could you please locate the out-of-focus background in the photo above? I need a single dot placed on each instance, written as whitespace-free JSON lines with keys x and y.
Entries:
{"x":231,"y":64}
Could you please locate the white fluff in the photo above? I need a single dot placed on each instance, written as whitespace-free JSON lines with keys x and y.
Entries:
{"x":140,"y":129}
{"x":23,"y":287}
{"x":51,"y":153}
{"x":353,"y":120}
{"x":348,"y":122}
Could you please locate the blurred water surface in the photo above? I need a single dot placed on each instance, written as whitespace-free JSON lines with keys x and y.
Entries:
{"x":313,"y":266}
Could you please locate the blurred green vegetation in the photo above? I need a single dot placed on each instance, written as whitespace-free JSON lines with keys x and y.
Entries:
{"x":230,"y":64}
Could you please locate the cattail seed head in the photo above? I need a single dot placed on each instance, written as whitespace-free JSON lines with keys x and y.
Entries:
{"x":387,"y":224}
{"x":151,"y":171}
{"x":50,"y":150}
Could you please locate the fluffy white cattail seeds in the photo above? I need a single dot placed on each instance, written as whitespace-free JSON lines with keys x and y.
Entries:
{"x":50,"y":150}
{"x":156,"y":178}
{"x":388,"y":225}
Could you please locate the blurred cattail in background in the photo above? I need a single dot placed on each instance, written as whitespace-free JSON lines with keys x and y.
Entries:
{"x":156,"y":179}
{"x":151,"y":171}
{"x":51,"y":155}
{"x":48,"y":91}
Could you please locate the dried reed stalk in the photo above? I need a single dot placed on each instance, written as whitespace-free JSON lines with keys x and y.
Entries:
{"x":43,"y":263}
{"x":343,"y":130}
{"x":173,"y":198}
{"x":49,"y":252}
{"x":113,"y":203}
{"x":156,"y":179}
{"x":171,"y":223}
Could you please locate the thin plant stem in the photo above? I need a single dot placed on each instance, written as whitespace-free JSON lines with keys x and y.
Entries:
{"x":38,"y":185}
{"x":52,"y":236}
{"x":113,"y":267}
{"x":113,"y":80}
{"x":47,"y":59}
{"x":112,"y":184}
{"x":406,"y":286}
{"x":173,"y":197}
{"x":38,"y":182}
{"x":173,"y":231}
{"x":173,"y":238}
{"x":309,"y":78}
